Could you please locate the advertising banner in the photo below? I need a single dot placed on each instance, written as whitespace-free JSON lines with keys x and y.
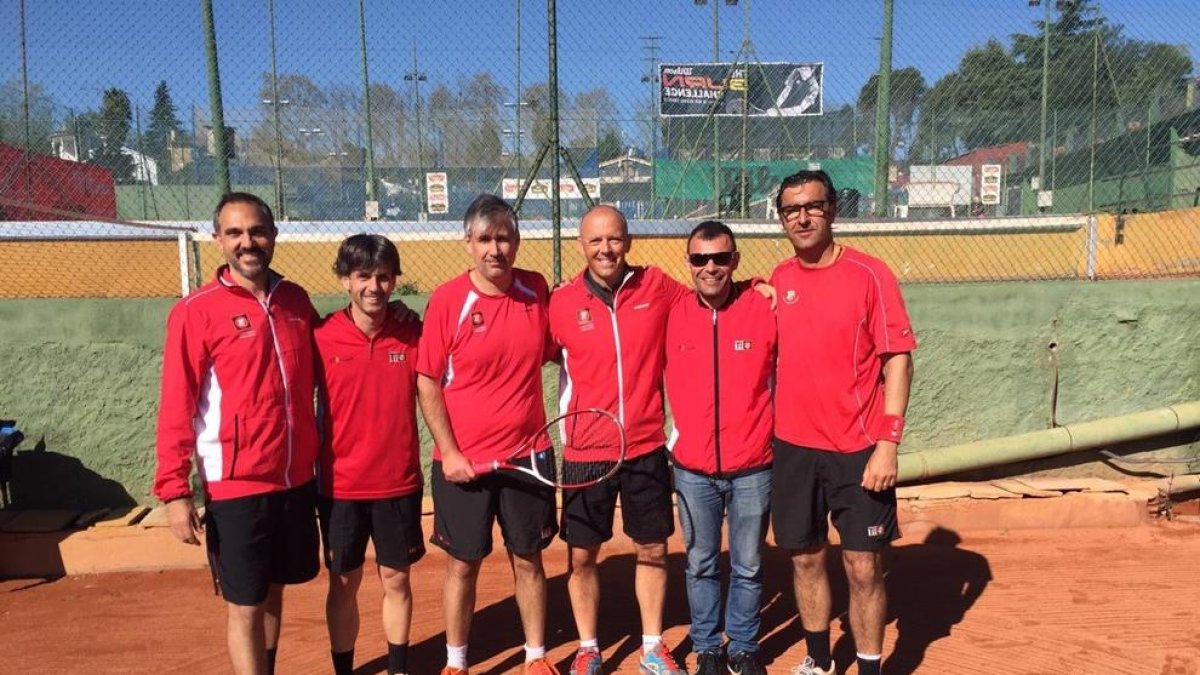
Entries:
{"x":990,"y":183}
{"x":437,"y":192}
{"x":728,"y":89}
{"x":540,"y":188}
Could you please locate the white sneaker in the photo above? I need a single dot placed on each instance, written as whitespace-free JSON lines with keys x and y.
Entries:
{"x":809,"y":667}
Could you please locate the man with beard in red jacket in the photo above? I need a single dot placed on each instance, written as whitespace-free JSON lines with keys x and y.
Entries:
{"x":720,"y":354}
{"x":369,"y":471}
{"x":237,"y":393}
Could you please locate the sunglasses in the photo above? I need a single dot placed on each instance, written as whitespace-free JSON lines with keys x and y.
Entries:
{"x":720,"y":259}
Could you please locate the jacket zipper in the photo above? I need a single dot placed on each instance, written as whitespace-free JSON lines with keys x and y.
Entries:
{"x":287,"y":390}
{"x":612,"y":311}
{"x":716,"y":393}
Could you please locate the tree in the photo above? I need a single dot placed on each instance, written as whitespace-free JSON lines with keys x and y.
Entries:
{"x":907,"y":87}
{"x":164,"y":125}
{"x":611,"y":145}
{"x":994,"y":96}
{"x":112,"y":129}
{"x":41,"y":116}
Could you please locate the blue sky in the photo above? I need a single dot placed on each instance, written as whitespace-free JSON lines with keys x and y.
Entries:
{"x":76,"y":49}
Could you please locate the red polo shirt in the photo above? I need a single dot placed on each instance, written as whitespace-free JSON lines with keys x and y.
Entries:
{"x":835,"y":324}
{"x":488,"y":351}
{"x":370,"y":447}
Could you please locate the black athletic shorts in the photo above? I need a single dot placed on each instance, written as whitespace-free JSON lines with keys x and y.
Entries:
{"x":394,"y":524}
{"x":463,"y":513}
{"x":644,"y":486}
{"x":811,"y":485}
{"x":260,"y":540}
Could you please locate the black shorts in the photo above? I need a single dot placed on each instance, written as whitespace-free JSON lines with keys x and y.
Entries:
{"x":819,"y":483}
{"x":644,"y":486}
{"x":463,"y":513}
{"x":394,"y":524}
{"x":260,"y":540}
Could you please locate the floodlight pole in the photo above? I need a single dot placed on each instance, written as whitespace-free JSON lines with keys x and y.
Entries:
{"x":280,"y":214}
{"x":372,"y":196}
{"x":716,"y":158}
{"x":221,"y":161}
{"x":555,"y":170}
{"x":1045,"y":92}
{"x":882,"y":104}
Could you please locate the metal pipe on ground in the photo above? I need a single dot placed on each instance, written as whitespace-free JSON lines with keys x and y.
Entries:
{"x":923,"y":464}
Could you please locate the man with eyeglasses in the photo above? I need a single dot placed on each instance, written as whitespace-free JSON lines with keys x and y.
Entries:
{"x":720,"y":356}
{"x":842,"y":388}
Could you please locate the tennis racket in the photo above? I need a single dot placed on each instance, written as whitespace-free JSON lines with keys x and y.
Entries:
{"x":575,"y":450}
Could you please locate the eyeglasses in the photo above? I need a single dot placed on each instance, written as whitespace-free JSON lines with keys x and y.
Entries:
{"x":720,"y":259}
{"x":815,"y":209}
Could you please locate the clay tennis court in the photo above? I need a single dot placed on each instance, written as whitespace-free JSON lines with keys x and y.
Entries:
{"x":973,"y":599}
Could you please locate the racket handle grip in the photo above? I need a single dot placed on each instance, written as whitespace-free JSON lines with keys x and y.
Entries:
{"x":485,"y":467}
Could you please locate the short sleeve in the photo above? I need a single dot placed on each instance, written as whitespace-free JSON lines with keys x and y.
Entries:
{"x":433,"y":348}
{"x":891,"y":329}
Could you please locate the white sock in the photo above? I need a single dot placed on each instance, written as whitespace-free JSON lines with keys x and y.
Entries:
{"x":869,"y":657}
{"x":649,"y":642}
{"x":456,"y":657}
{"x":590,"y":644}
{"x":534,"y":653}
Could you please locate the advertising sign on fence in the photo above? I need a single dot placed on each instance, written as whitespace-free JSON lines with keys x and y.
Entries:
{"x":729,"y":89}
{"x":990,"y":183}
{"x":437,"y":194}
{"x":540,"y":188}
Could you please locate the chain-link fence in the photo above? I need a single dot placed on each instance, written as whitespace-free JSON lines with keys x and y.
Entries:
{"x":1016,"y":139}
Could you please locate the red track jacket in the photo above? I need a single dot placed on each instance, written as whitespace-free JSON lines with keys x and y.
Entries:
{"x":237,"y":391}
{"x":719,"y":367}
{"x":592,"y":336}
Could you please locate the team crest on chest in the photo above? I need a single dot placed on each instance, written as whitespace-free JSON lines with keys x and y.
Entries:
{"x":742,"y":345}
{"x":396,"y":357}
{"x":241,"y":322}
{"x":791,"y":296}
{"x":584,"y":318}
{"x":477,"y":322}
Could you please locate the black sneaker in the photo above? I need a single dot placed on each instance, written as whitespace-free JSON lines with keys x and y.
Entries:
{"x":708,"y":663}
{"x":744,"y":663}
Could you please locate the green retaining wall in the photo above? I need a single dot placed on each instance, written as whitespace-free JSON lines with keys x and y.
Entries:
{"x":81,"y":376}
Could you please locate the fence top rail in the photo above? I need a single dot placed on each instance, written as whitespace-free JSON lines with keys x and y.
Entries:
{"x":449,"y":230}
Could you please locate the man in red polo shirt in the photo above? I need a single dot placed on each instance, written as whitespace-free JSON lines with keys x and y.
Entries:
{"x":480,"y":388}
{"x":720,"y":349}
{"x":369,"y":473}
{"x":842,"y":389}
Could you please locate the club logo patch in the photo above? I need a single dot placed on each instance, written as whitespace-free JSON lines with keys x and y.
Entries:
{"x":875,"y":530}
{"x":742,"y":345}
{"x":477,"y":321}
{"x":584,"y":315}
{"x":241,"y":322}
{"x":396,"y":357}
{"x":791,"y":296}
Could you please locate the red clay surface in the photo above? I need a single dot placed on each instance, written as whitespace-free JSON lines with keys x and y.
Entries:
{"x":1123,"y":600}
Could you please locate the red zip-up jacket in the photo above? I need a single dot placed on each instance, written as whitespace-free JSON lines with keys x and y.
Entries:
{"x":719,"y":368}
{"x":370,"y":448}
{"x":237,"y":391}
{"x":592,"y":335}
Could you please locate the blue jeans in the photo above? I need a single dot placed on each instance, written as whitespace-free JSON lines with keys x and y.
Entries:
{"x":704,"y":504}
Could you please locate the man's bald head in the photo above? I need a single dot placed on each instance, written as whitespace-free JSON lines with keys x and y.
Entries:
{"x":604,"y":241}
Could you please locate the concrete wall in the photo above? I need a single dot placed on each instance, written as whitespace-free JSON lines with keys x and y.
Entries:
{"x":82,"y":375}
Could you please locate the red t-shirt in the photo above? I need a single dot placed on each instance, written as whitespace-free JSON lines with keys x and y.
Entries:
{"x":835,"y":324}
{"x":612,"y":358}
{"x":488,"y":351}
{"x":370,"y":448}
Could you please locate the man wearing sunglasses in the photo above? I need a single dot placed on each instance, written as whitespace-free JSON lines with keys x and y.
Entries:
{"x":720,"y":352}
{"x":841,"y":393}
